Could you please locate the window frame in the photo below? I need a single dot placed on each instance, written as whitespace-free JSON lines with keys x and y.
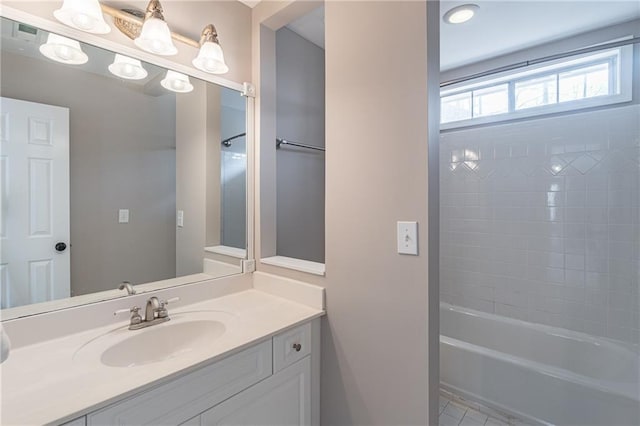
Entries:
{"x":620,"y":60}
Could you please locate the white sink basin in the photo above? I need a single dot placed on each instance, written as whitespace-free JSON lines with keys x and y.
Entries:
{"x":184,"y":334}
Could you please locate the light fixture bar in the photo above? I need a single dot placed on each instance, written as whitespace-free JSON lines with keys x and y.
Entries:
{"x":134,"y":20}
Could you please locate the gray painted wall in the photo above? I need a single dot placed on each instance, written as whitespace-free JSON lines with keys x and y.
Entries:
{"x":300,"y":172}
{"x":122,"y":155}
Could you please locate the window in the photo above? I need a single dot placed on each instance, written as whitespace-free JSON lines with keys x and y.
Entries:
{"x":572,"y":83}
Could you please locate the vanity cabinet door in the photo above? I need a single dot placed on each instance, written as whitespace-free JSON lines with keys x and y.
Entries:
{"x":283,"y":399}
{"x":189,"y":395}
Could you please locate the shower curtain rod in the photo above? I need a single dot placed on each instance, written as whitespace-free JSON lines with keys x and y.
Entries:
{"x":523,"y":64}
{"x":280,"y":141}
{"x":227,"y":141}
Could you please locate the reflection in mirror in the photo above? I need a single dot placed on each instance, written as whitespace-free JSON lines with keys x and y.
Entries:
{"x":112,"y":170}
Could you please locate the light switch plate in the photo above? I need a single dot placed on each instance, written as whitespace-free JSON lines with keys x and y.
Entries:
{"x":180,"y":218}
{"x":123,"y":216}
{"x":408,"y":238}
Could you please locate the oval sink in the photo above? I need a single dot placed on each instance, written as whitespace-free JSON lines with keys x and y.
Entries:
{"x":162,"y":342}
{"x":186,"y":333}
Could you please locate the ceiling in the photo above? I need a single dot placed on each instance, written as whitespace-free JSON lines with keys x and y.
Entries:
{"x":502,"y":27}
{"x":310,"y":26}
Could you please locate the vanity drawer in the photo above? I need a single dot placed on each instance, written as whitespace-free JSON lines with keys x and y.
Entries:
{"x":191,"y":394}
{"x":291,"y":346}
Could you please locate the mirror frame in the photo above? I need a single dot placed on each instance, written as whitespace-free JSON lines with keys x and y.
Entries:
{"x":246,"y":89}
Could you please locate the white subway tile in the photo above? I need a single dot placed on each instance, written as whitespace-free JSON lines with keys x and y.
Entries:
{"x":620,"y":318}
{"x":546,"y":259}
{"x":574,"y":245}
{"x":596,"y":297}
{"x":597,"y":215}
{"x":574,"y":278}
{"x":574,"y":261}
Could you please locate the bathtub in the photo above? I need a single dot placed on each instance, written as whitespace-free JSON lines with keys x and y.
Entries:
{"x":542,"y":374}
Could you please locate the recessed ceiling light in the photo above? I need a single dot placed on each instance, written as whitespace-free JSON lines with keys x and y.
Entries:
{"x":460,"y":14}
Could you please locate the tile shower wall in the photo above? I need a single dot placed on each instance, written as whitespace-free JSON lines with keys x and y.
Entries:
{"x":541,"y":220}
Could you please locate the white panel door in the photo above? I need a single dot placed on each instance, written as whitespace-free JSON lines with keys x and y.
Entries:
{"x":34,"y":190}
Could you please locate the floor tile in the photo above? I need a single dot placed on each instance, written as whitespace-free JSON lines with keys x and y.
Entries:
{"x":447,"y":420}
{"x":442,"y":404}
{"x":468,"y":421}
{"x":455,"y":410}
{"x":492,"y":421}
{"x":476,"y":416}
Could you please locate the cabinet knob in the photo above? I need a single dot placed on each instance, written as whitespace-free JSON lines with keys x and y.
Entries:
{"x":297,"y":347}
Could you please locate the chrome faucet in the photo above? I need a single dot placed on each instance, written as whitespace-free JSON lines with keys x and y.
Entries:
{"x":155,"y":313}
{"x":127,"y":285}
{"x":153,"y":305}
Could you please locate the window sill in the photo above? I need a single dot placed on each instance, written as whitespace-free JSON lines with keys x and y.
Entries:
{"x":307,"y":266}
{"x":227,"y":251}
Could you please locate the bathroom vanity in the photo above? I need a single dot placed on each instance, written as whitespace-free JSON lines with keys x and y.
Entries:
{"x":249,"y":354}
{"x":268,"y":383}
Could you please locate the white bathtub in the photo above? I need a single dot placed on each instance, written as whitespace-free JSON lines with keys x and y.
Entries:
{"x":540,"y":373}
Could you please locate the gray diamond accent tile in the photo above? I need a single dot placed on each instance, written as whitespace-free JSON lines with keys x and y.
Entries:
{"x":584,"y":163}
{"x":555,"y":165}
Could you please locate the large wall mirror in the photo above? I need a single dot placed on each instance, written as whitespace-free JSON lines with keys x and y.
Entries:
{"x":112,"y":170}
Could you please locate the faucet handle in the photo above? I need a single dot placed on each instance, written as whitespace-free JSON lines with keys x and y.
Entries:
{"x":172,"y":300}
{"x":134,"y":310}
{"x":135,"y":314}
{"x":162,"y":311}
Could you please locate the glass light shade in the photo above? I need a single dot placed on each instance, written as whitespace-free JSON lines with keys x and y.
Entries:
{"x":85,"y":15}
{"x":211,"y":59}
{"x":65,"y":50}
{"x":127,"y":68}
{"x":155,"y":37}
{"x":176,"y":82}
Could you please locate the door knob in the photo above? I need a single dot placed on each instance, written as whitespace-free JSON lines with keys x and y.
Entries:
{"x":60,"y":247}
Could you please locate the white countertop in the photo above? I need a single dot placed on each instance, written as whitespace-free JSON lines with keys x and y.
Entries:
{"x":42,"y":383}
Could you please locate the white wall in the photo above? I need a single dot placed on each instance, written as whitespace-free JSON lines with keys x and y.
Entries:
{"x":300,"y":172}
{"x":558,"y":248}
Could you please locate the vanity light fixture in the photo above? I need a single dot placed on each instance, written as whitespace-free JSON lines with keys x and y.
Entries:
{"x":85,"y":15}
{"x":148,"y":30}
{"x":65,"y":50}
{"x":155,"y":36}
{"x":177,"y":82}
{"x":210,"y":57}
{"x":127,"y":68}
{"x":460,"y":14}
